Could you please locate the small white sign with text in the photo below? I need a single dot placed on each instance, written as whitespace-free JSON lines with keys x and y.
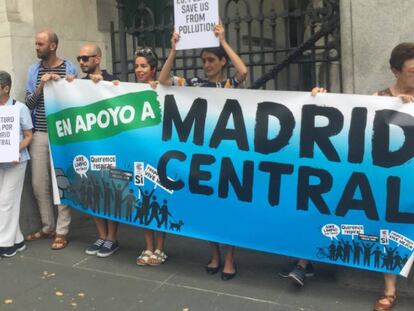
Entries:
{"x":194,"y":20}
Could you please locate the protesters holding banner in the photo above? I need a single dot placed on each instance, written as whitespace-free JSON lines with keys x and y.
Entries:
{"x":12,"y":177}
{"x":145,"y":67}
{"x":402,"y":66}
{"x":49,"y":68}
{"x":89,"y":59}
{"x":214,"y":63}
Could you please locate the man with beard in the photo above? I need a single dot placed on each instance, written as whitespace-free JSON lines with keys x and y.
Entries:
{"x":50,"y":67}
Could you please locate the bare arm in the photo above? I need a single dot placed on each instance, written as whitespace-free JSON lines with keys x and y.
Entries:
{"x":164,"y":77}
{"x":27,"y":138}
{"x":241,"y":69}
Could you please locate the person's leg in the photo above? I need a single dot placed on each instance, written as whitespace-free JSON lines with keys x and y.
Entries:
{"x":110,"y":245}
{"x":390,"y":284}
{"x":112,"y":233}
{"x":41,"y":183}
{"x":158,"y":257}
{"x":149,"y":239}
{"x":62,"y":227}
{"x":160,"y":239}
{"x":101,"y":227}
{"x":215,"y":256}
{"x":298,"y":273}
{"x":19,"y":239}
{"x":11,"y":187}
{"x":303,"y":263}
{"x":388,"y":300}
{"x":63,"y":219}
{"x":229,"y":260}
{"x":143,"y":259}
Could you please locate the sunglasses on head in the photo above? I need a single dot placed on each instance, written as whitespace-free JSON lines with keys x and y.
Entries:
{"x":145,"y":51}
{"x":84,"y":58}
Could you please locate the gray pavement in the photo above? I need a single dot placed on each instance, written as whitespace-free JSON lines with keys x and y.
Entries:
{"x":33,"y":280}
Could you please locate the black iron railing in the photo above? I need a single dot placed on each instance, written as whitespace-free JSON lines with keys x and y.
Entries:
{"x":286,"y":44}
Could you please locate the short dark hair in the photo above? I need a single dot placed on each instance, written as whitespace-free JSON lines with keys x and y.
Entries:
{"x":149,"y":54}
{"x":400,"y":54}
{"x":218,"y":51}
{"x":5,"y":79}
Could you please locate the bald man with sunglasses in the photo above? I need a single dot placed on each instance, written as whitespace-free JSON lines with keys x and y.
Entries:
{"x":89,"y":58}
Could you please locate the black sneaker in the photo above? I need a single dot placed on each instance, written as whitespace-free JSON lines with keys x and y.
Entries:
{"x":284,"y":273}
{"x":298,"y":275}
{"x":94,"y":248}
{"x":108,"y":248}
{"x":12,"y":250}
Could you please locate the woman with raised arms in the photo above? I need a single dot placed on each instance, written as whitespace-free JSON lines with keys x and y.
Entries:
{"x":214,"y":64}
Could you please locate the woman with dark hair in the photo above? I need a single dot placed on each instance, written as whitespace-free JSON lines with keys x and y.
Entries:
{"x":145,"y":67}
{"x":214,"y":63}
{"x":402,"y":66}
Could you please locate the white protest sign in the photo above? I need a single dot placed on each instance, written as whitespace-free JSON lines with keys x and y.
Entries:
{"x":194,"y":20}
{"x":9,"y":133}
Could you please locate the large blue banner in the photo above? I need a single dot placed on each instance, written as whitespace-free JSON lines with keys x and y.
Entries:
{"x":328,"y":178}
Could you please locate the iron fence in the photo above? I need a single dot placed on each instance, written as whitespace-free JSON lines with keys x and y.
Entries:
{"x":286,"y":44}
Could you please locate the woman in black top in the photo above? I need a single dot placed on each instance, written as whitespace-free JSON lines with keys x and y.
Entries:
{"x":214,"y":63}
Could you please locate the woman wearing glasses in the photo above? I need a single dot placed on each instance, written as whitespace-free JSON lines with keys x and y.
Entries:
{"x":214,"y":63}
{"x":145,"y":67}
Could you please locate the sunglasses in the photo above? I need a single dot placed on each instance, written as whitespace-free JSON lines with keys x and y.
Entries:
{"x":84,"y":58}
{"x":145,"y":51}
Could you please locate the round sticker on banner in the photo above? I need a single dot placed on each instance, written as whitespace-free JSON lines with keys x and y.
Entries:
{"x":330,"y":231}
{"x":81,"y":165}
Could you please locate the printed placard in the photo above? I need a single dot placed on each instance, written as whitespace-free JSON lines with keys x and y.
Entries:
{"x":352,"y":229}
{"x":139,"y":172}
{"x":120,"y":174}
{"x":384,"y":237}
{"x":102,"y":162}
{"x":402,"y":240}
{"x":195,"y":21}
{"x":368,"y":237}
{"x":152,"y":174}
{"x":9,"y":134}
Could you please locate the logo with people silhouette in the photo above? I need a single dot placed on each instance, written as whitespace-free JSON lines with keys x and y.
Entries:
{"x":365,"y":250}
{"x":110,"y":193}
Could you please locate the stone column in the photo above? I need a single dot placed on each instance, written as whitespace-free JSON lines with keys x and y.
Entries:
{"x":369,"y":31}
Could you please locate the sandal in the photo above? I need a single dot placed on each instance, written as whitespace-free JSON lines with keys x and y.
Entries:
{"x":391,"y":301}
{"x":38,"y":235}
{"x":60,"y":242}
{"x":157,"y":258}
{"x":142,"y":260}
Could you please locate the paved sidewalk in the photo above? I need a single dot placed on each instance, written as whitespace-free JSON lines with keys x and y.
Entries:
{"x":31,"y":280}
